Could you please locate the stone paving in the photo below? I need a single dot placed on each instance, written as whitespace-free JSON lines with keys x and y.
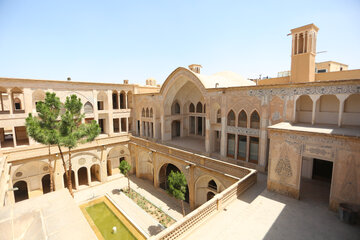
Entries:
{"x":260,"y":214}
{"x":53,"y":216}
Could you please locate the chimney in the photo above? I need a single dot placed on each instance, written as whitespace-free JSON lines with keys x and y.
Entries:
{"x":126,"y":81}
{"x":195,"y":68}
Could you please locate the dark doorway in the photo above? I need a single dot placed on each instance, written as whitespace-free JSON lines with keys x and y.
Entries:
{"x":315,"y":185}
{"x":108,"y":168}
{"x":22,"y":192}
{"x":322,"y":170}
{"x":45,"y":181}
{"x":200,"y":125}
{"x":210,"y":195}
{"x":95,"y":173}
{"x":163,"y":176}
{"x":101,"y":125}
{"x":175,"y":128}
{"x":83,"y":176}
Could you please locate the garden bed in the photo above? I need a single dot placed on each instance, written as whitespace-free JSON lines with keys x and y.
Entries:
{"x":150,"y":208}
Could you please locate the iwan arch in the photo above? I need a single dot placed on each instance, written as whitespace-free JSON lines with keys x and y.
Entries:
{"x":216,"y":129}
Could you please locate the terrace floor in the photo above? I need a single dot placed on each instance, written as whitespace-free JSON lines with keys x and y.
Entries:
{"x":193,"y":144}
{"x":260,"y":214}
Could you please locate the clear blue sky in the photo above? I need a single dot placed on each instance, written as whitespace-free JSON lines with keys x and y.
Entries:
{"x":108,"y":41}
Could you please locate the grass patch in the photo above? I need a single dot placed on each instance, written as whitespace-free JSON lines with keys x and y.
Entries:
{"x":150,"y":208}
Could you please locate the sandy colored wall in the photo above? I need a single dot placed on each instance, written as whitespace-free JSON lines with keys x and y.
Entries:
{"x":287,"y":150}
{"x":340,"y":75}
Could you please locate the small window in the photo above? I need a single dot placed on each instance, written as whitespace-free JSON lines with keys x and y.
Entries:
{"x":199,"y":107}
{"x":218,"y":116}
{"x":231,"y":118}
{"x":212,"y":185}
{"x":321,"y":70}
{"x":191,"y":108}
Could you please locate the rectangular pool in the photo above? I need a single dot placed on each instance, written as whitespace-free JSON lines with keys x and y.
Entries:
{"x":103,"y":216}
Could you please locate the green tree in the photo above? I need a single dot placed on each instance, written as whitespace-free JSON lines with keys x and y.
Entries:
{"x":177,"y":187}
{"x":124,"y":169}
{"x":73,"y":131}
{"x":43,"y":128}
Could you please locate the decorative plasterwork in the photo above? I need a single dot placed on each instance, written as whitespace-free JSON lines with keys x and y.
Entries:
{"x":341,"y":89}
{"x":243,"y":131}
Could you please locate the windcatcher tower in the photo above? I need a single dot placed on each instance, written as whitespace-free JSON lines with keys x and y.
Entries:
{"x":303,"y":53}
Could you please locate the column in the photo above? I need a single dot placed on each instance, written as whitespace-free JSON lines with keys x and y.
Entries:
{"x":11,"y":101}
{"x":127,"y":124}
{"x":27,"y":98}
{"x":162,"y":127}
{"x":14,"y":136}
{"x":96,"y":115}
{"x":342,"y":98}
{"x":103,"y":164}
{"x":155,"y":170}
{"x":247,"y":148}
{"x":110,"y":113}
{"x":76,"y":180}
{"x":191,"y":186}
{"x":223,"y":127}
{"x":126,"y":100}
{"x":208,"y":136}
{"x":314,"y":98}
{"x":89,"y":175}
{"x":141,"y":128}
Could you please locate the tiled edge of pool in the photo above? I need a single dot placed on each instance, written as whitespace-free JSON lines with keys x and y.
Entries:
{"x":129,"y":223}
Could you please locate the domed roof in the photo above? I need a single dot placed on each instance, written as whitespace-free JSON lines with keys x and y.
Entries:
{"x":224,"y":79}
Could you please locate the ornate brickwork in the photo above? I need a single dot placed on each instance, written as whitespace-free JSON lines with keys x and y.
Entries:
{"x":306,"y":90}
{"x":283,"y":166}
{"x":243,"y":131}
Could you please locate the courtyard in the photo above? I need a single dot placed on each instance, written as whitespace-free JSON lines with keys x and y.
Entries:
{"x":260,"y":214}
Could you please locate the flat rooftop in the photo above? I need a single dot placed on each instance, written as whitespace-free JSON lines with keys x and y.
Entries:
{"x":53,"y":216}
{"x":318,"y":128}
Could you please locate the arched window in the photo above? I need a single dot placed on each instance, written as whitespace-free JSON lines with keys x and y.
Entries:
{"x":115,"y":100}
{"x":231,"y":118}
{"x":88,"y":108}
{"x":151,"y":112}
{"x":242,"y":121}
{"x":210,"y":195}
{"x":175,"y":109}
{"x":122,"y":100}
{"x":199,"y":107}
{"x":143,"y":112}
{"x":17,"y":104}
{"x":191,"y":108}
{"x":218,"y":116}
{"x":255,"y":120}
{"x":212,"y":185}
{"x":147,"y":112}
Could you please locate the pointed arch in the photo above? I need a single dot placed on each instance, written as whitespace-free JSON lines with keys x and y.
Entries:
{"x":199,"y":107}
{"x":191,"y":108}
{"x":255,"y":120}
{"x":242,"y":119}
{"x":175,"y":108}
{"x":88,"y":108}
{"x":231,"y":118}
{"x":143,"y":112}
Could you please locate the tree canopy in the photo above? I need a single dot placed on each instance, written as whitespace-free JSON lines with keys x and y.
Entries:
{"x":177,"y":185}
